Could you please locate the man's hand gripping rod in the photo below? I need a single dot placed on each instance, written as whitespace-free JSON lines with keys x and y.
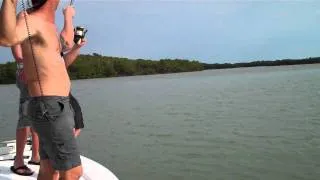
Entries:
{"x":79,"y":31}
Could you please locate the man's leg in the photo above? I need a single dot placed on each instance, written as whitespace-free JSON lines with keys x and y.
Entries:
{"x":54,"y":123}
{"x":72,"y":174}
{"x":46,"y":172}
{"x":23,"y":128}
{"x":35,"y":147}
{"x":66,"y":156}
{"x":18,"y":165}
{"x":21,"y":139}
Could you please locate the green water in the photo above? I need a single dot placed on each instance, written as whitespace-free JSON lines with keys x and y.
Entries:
{"x":248,"y":123}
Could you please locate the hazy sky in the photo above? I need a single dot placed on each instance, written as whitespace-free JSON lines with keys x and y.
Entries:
{"x":208,"y":31}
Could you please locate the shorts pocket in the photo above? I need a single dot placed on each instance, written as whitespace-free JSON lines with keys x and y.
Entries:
{"x":54,"y":109}
{"x":24,"y":108}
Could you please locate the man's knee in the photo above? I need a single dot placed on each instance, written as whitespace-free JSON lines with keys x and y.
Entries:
{"x":45,"y":175}
{"x":71,"y":174}
{"x":46,"y":171}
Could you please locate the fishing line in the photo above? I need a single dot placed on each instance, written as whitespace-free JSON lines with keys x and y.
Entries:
{"x":31,"y":46}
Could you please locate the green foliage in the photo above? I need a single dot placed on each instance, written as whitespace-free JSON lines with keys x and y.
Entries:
{"x":8,"y":73}
{"x":263,"y":63}
{"x":98,"y":66}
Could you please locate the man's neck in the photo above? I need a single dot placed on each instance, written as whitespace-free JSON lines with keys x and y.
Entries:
{"x":47,"y":14}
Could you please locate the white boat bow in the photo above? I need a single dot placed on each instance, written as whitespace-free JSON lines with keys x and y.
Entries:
{"x":92,"y":170}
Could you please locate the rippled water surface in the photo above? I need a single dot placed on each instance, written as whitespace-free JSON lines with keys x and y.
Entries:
{"x":247,"y":123}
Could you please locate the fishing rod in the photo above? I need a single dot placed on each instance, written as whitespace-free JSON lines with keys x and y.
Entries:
{"x":79,"y":31}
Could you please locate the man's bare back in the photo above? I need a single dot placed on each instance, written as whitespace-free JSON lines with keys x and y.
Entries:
{"x":50,"y":65}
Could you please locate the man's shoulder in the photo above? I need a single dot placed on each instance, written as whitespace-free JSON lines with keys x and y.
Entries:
{"x":29,"y":24}
{"x":30,"y":19}
{"x":21,"y":16}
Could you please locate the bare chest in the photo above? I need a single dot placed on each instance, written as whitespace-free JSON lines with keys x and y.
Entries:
{"x":51,"y":37}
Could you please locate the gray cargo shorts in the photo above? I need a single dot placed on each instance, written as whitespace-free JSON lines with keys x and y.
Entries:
{"x":24,"y":120}
{"x":52,"y":119}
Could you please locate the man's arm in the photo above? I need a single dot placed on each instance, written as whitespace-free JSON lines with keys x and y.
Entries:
{"x":13,"y":29}
{"x":17,"y":52}
{"x":72,"y":55}
{"x":8,"y":22}
{"x":67,"y":32}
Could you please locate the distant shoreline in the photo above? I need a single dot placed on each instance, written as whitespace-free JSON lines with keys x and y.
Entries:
{"x":284,"y":62}
{"x":98,"y":66}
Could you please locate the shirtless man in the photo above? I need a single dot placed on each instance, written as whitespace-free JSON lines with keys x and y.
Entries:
{"x":48,"y":85}
{"x":24,"y":123}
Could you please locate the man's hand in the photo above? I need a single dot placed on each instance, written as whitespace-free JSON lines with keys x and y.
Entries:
{"x":76,"y":132}
{"x":81,"y":43}
{"x":72,"y":55}
{"x":69,"y":12}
